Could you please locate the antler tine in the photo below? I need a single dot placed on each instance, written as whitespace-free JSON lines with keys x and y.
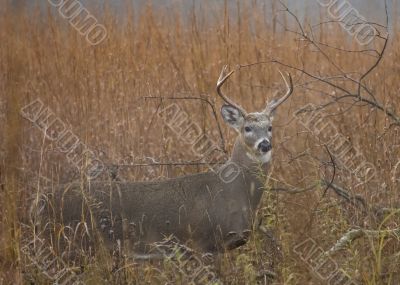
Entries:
{"x":221,"y":80}
{"x":289,"y":86}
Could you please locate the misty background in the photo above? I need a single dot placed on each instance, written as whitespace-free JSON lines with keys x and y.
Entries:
{"x":372,"y":10}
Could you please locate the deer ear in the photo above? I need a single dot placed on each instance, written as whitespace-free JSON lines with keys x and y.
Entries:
{"x":232,"y":116}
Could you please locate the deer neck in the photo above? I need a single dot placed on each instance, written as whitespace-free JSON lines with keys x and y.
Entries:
{"x":252,"y":171}
{"x":242,"y":156}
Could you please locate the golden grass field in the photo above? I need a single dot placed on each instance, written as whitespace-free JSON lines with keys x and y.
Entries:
{"x":100,"y":93}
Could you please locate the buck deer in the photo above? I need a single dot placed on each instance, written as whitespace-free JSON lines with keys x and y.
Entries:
{"x":200,"y":209}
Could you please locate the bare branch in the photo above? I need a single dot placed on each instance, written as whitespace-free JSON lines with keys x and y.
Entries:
{"x":352,"y":199}
{"x":354,"y":234}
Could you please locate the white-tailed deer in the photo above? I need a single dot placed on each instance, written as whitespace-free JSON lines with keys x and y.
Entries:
{"x":203,"y":210}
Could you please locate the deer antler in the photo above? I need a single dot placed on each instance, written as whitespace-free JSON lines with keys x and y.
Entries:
{"x":221,"y":80}
{"x":275,"y":103}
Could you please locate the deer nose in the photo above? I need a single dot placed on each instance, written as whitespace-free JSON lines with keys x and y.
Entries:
{"x":265,"y":146}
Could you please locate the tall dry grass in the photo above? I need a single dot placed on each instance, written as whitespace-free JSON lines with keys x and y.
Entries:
{"x":99,"y":92}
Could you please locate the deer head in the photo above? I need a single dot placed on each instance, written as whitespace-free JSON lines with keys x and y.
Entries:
{"x":254,"y":129}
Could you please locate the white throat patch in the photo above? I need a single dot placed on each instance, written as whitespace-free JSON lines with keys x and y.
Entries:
{"x":264,"y":158}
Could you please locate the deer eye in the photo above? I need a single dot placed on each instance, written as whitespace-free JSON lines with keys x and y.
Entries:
{"x":247,"y":129}
{"x":269,"y":129}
